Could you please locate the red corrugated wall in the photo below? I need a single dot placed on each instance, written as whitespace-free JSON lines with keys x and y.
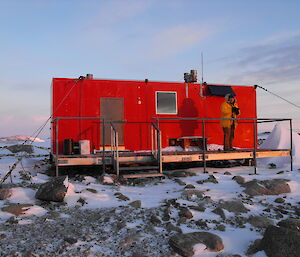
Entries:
{"x":82,"y":99}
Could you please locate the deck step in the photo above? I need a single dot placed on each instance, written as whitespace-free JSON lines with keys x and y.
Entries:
{"x":139,"y":168}
{"x":142,"y":175}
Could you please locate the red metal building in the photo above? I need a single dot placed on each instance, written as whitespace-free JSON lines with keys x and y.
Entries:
{"x":137,"y":103}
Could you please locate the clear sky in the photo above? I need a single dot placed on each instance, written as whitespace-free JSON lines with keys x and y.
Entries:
{"x":243,"y":42}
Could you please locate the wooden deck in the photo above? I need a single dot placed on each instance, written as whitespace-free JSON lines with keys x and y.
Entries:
{"x":141,"y":158}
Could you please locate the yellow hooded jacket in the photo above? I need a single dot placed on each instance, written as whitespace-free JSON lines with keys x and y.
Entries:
{"x":226,"y":113}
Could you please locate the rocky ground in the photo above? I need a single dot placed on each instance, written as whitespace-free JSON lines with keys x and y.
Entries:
{"x":174,"y":228}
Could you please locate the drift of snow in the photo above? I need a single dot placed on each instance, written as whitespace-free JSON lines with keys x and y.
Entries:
{"x":280,"y":139}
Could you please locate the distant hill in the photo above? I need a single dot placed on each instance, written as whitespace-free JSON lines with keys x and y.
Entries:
{"x":20,"y":138}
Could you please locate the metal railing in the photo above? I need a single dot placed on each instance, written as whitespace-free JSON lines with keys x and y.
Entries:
{"x":254,"y":121}
{"x":56,"y":120}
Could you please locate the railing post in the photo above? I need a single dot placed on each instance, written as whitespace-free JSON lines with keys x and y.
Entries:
{"x":159,"y":152}
{"x":56,"y":161}
{"x":117,"y":153}
{"x":103,"y":145}
{"x":291,"y":143}
{"x":255,"y":145}
{"x":203,"y":152}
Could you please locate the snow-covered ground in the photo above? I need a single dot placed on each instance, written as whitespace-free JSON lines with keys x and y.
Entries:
{"x":95,"y":221}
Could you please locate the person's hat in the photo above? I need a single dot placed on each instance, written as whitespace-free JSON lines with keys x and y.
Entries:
{"x":228,"y":96}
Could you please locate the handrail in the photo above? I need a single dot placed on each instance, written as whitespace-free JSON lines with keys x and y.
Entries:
{"x":115,"y":147}
{"x":157,"y":141}
{"x":77,"y":118}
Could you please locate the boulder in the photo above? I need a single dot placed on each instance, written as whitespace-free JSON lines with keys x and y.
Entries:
{"x":290,"y":223}
{"x":54,"y":190}
{"x":170,"y":227}
{"x":192,"y":194}
{"x":281,"y":242}
{"x":239,"y":179}
{"x":136,"y":204}
{"x":121,"y":196}
{"x":234,"y":206}
{"x":183,"y":244}
{"x":186,"y":213}
{"x":260,"y":221}
{"x":267,"y":187}
{"x":5,"y":193}
{"x":16,"y":209}
{"x":219,"y":211}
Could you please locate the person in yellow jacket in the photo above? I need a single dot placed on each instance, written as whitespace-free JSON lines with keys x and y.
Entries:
{"x":229,"y":109}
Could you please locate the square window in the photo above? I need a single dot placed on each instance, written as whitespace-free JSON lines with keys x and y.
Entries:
{"x":166,"y":103}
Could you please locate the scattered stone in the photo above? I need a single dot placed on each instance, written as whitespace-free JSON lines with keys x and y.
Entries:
{"x":221,"y":227}
{"x":272,"y":166}
{"x":192,"y":194}
{"x":70,"y":240}
{"x":5,"y":193}
{"x":16,"y":209}
{"x":170,"y":227}
{"x":198,"y":208}
{"x":254,"y":247}
{"x":130,"y":239}
{"x":136,"y":204}
{"x":155,"y":220}
{"x":186,"y":213}
{"x":54,"y":190}
{"x":239,"y":179}
{"x":210,"y":179}
{"x":267,"y":187}
{"x":82,"y":201}
{"x":12,"y":220}
{"x":227,"y":173}
{"x":180,"y":173}
{"x":228,"y":255}
{"x":280,"y":172}
{"x":121,"y":196}
{"x":290,"y":223}
{"x":25,"y":175}
{"x":183,"y":243}
{"x":189,"y":186}
{"x":260,"y":221}
{"x":179,"y":181}
{"x":201,"y":223}
{"x":94,"y":191}
{"x":234,"y":206}
{"x":279,"y":200}
{"x":219,"y":211}
{"x":297,"y":211}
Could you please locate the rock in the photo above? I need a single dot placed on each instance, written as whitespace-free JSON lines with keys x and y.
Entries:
{"x":221,"y":227}
{"x":227,"y":173}
{"x":297,"y":211}
{"x":130,"y":239}
{"x":20,"y":148}
{"x":121,"y":196}
{"x":183,"y":243}
{"x":16,"y":209}
{"x":136,"y":204}
{"x":260,"y":221}
{"x":186,"y":213}
{"x":192,"y":194}
{"x":290,"y":223}
{"x":94,"y":191}
{"x":155,"y":220}
{"x":239,"y":179}
{"x":198,"y":208}
{"x":266,"y":187}
{"x":279,"y":200}
{"x":25,"y":175}
{"x":234,"y":206}
{"x":170,"y":227}
{"x":219,"y":211}
{"x":281,"y":242}
{"x":70,"y":240}
{"x":179,"y":181}
{"x":228,"y":255}
{"x":210,"y":179}
{"x":254,"y":247}
{"x":54,"y":190}
{"x":201,"y":224}
{"x":189,"y":186}
{"x":5,"y":193}
{"x":181,"y":173}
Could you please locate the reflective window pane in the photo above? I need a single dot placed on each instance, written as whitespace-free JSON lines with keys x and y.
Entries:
{"x":166,"y":103}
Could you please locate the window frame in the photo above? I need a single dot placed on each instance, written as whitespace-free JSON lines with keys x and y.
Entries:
{"x":156,"y":102}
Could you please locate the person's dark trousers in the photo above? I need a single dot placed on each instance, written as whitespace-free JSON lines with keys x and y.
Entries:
{"x":228,"y":137}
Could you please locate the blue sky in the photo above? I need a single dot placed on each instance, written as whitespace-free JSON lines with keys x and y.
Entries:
{"x":243,"y":42}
